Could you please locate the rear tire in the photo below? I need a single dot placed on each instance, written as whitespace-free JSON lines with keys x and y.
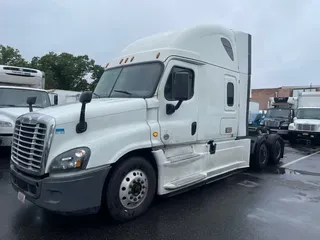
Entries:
{"x":276,"y":145}
{"x":260,"y":157}
{"x":130,"y":189}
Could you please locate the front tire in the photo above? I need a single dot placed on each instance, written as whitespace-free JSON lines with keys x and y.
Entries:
{"x":130,"y":189}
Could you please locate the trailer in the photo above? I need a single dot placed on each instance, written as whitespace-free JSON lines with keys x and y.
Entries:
{"x":306,"y":125}
{"x":168,"y":114}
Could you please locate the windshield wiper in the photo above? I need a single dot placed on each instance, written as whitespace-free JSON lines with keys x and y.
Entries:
{"x":96,"y":95}
{"x":9,"y":105}
{"x":123,"y":91}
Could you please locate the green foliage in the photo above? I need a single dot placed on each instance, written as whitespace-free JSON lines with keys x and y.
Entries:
{"x":11,"y":56}
{"x":64,"y":71}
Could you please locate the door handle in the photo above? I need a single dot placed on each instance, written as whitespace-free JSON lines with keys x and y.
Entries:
{"x":193,"y":128}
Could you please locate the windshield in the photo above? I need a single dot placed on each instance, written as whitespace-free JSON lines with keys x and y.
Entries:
{"x":278,"y":113}
{"x":308,"y":113}
{"x":10,"y":97}
{"x":138,"y":81}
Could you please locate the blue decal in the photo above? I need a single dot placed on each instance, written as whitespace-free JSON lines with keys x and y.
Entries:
{"x":59,"y":130}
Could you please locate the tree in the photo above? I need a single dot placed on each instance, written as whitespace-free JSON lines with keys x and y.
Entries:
{"x":97,"y":72}
{"x":65,"y":71}
{"x":62,"y":71}
{"x":11,"y":56}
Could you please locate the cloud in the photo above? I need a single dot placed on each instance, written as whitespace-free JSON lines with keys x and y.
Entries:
{"x":285,"y":33}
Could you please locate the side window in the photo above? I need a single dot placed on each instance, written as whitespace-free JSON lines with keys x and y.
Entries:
{"x":230,"y":94}
{"x":227,"y":46}
{"x":168,"y":89}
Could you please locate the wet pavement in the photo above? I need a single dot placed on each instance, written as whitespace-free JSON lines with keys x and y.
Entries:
{"x":280,"y":203}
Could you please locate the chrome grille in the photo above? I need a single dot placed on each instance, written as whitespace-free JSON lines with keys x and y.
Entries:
{"x":270,"y":123}
{"x":306,"y":127}
{"x":28,"y":144}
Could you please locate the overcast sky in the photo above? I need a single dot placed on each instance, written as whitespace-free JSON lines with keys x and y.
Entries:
{"x":286,"y":33}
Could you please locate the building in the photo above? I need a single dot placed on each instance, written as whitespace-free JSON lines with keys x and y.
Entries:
{"x":262,"y":95}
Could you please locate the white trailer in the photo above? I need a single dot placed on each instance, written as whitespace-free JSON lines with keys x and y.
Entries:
{"x":170,"y":113}
{"x":254,"y":108}
{"x":306,"y":125}
{"x":16,"y":85}
{"x":21,"y":77}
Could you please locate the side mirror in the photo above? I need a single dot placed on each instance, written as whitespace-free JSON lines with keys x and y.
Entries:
{"x":55,"y":99}
{"x":85,"y":97}
{"x":30,"y":102}
{"x":181,"y":86}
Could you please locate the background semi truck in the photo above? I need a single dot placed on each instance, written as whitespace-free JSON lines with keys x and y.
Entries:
{"x":306,"y":125}
{"x":171,"y":112}
{"x":16,"y":85}
{"x":280,"y":114}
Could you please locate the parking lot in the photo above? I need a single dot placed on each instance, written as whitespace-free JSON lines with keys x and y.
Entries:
{"x":280,"y":203}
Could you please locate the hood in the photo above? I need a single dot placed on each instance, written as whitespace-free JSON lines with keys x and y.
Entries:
{"x":13,"y":112}
{"x":307,"y":121}
{"x":278,"y":120}
{"x":96,"y":108}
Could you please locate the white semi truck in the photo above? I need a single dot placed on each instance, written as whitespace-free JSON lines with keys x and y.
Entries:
{"x":171,"y":112}
{"x":16,"y":85}
{"x":306,"y":125}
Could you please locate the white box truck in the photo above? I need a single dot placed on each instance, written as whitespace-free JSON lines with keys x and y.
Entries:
{"x":16,"y":85}
{"x":306,"y":125}
{"x":170,"y":113}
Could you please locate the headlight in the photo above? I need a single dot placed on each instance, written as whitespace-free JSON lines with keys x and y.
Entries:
{"x":5,"y":124}
{"x":291,"y":126}
{"x":75,"y":159}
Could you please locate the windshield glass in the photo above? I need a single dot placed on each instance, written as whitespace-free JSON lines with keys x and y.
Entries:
{"x":138,"y":81}
{"x":308,"y":113}
{"x":278,"y":113}
{"x":10,"y":97}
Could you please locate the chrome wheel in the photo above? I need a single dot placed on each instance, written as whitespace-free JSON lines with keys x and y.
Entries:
{"x":133,"y":189}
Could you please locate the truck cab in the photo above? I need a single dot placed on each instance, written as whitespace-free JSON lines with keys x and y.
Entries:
{"x":13,"y":104}
{"x":306,"y":125}
{"x":16,"y":85}
{"x":279,"y":115}
{"x":169,"y":113}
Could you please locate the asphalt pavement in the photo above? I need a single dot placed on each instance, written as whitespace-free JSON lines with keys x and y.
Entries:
{"x":280,"y":203}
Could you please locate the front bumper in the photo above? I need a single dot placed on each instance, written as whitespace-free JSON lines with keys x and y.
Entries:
{"x":5,"y":140}
{"x":313,"y":136}
{"x":64,"y":193}
{"x":278,"y":131}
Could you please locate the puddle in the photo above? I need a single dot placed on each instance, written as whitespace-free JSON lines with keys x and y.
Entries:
{"x":295,"y":172}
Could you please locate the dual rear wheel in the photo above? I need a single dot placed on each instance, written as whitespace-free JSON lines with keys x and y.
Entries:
{"x":268,"y":149}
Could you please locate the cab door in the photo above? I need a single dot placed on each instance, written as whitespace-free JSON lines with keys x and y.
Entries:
{"x":181,"y":126}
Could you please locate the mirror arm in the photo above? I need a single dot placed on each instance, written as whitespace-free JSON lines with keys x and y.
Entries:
{"x":170,"y":108}
{"x":178,"y":105}
{"x":82,"y":125}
